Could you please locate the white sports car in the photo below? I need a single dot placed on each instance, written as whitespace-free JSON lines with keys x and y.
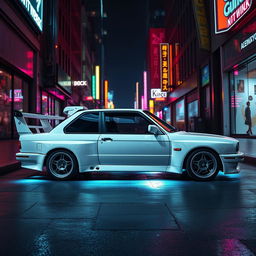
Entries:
{"x":122,"y":140}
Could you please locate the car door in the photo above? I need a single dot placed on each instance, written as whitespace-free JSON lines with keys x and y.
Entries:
{"x":126,"y":143}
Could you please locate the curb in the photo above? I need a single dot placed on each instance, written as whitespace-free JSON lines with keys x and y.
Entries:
{"x":9,"y":168}
{"x":250,"y":160}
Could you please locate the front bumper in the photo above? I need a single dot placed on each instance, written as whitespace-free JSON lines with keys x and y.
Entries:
{"x":32,"y":161}
{"x":230,"y":162}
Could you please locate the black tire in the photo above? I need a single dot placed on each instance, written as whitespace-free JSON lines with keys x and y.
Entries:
{"x":203,"y":165}
{"x":61,"y":165}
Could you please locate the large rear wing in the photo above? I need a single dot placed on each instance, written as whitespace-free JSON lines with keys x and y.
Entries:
{"x":45,"y":120}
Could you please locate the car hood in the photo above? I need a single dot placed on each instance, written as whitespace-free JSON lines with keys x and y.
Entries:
{"x":202,"y":136}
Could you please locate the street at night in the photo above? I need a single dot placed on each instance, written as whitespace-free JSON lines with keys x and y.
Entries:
{"x":128,"y":214}
{"x":128,"y":127}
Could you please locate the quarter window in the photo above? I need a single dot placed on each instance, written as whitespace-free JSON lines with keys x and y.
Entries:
{"x":86,"y":123}
{"x":126,"y":123}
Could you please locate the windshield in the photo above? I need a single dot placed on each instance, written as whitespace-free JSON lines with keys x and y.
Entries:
{"x":163,"y":124}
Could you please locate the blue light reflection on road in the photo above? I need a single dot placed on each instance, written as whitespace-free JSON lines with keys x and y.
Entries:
{"x":148,"y":180}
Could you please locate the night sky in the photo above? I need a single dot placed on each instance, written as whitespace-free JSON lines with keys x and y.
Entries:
{"x":125,"y":48}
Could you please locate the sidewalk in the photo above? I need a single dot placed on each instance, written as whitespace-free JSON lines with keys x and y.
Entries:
{"x":8,"y":149}
{"x":248,"y":147}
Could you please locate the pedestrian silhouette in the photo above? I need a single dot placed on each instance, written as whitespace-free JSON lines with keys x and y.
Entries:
{"x":248,"y":119}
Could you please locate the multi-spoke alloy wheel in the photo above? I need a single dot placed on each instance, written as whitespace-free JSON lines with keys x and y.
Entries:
{"x":203,"y":165}
{"x":61,"y":165}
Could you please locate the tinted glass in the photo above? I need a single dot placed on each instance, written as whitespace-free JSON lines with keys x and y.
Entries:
{"x":126,"y":123}
{"x":86,"y":123}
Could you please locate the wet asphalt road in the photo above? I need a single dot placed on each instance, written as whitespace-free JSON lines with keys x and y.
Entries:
{"x":128,"y":214}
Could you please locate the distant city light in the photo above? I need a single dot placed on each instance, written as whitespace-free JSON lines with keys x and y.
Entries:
{"x":94,"y":86}
{"x":145,"y":105}
{"x":151,"y":106}
{"x":137,"y":94}
{"x":106,"y":93}
{"x":97,"y":72}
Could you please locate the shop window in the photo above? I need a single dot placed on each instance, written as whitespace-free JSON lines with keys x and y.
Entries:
{"x":5,"y":104}
{"x":167,"y":114}
{"x":17,"y":94}
{"x":243,"y":99}
{"x":192,"y":115}
{"x":180,"y":115}
{"x":45,"y":103}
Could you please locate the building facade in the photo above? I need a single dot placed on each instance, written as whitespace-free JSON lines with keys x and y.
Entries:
{"x":212,"y":66}
{"x":234,"y":56}
{"x":19,"y":60}
{"x":47,"y":58}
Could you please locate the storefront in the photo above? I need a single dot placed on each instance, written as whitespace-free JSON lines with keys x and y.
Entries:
{"x":239,"y":69}
{"x":14,"y":95}
{"x":19,"y":50}
{"x":183,"y":106}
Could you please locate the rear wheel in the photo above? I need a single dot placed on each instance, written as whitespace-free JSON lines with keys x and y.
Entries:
{"x":203,"y":165}
{"x":62,"y":165}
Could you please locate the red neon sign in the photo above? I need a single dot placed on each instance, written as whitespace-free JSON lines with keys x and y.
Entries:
{"x":156,"y":37}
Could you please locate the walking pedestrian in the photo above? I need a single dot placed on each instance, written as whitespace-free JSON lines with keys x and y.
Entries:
{"x":248,"y":119}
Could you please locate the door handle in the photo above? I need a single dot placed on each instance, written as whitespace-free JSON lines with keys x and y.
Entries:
{"x":106,"y":139}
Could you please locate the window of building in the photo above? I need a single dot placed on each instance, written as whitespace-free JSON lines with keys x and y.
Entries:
{"x":5,"y":104}
{"x":126,"y":123}
{"x":180,"y":114}
{"x":243,"y":99}
{"x":86,"y":123}
{"x":13,"y":96}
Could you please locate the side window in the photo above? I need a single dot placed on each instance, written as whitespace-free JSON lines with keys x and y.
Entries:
{"x":126,"y":123}
{"x":86,"y":123}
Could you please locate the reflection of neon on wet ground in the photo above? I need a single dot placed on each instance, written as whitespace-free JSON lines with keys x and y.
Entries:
{"x":155,"y":184}
{"x":31,"y":180}
{"x":231,"y":176}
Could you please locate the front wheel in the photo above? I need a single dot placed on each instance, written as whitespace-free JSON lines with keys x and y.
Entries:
{"x":203,"y":165}
{"x":61,"y":165}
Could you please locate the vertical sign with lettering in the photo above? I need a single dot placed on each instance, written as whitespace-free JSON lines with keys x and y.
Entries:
{"x":156,"y":36}
{"x":164,"y":66}
{"x":202,"y":24}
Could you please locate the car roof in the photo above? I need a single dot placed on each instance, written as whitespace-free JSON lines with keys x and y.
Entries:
{"x":112,"y":110}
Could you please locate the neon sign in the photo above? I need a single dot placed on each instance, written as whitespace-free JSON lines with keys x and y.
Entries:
{"x":156,"y":36}
{"x":248,"y":41}
{"x":157,"y":93}
{"x":80,"y":83}
{"x":164,"y":66}
{"x":229,"y":12}
{"x":35,"y":10}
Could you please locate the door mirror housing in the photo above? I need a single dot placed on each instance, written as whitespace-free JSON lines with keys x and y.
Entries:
{"x":154,"y":129}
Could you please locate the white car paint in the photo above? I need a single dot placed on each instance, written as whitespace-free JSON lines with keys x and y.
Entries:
{"x":126,"y":152}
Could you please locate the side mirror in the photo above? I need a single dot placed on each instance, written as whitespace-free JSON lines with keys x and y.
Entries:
{"x":154,"y":129}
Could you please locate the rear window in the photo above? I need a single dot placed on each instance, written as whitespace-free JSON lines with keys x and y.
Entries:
{"x":86,"y":123}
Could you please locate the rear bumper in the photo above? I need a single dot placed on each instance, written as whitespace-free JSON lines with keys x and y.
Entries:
{"x":230,"y":162}
{"x":32,"y":161}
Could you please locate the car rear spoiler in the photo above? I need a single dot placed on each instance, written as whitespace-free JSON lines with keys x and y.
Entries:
{"x":24,"y":128}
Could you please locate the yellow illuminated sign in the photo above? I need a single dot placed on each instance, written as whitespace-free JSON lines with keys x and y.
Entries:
{"x":202,"y":24}
{"x":106,"y":93}
{"x":164,"y":66}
